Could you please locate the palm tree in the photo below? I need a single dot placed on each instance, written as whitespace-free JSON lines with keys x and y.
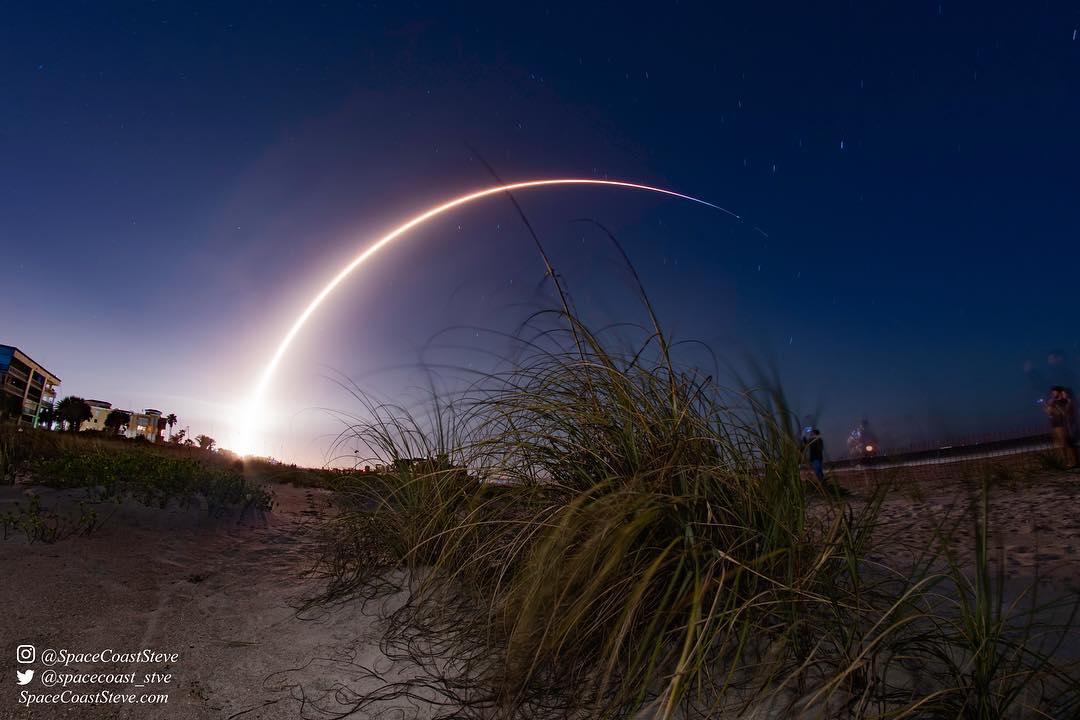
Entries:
{"x":74,"y":411}
{"x":205,"y":442}
{"x":170,"y":420}
{"x":117,"y":420}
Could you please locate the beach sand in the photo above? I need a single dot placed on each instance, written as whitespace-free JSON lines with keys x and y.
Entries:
{"x":1034,"y":523}
{"x":219,"y":593}
{"x":222,"y":594}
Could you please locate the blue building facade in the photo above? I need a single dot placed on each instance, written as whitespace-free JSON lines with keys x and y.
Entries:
{"x":25,"y":387}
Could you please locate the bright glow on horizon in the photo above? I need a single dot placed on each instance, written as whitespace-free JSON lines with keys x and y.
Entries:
{"x":247,"y":443}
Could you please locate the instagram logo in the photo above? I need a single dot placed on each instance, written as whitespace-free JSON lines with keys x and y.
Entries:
{"x":25,"y":654}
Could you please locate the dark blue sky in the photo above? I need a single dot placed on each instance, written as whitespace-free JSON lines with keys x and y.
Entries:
{"x":177,"y":179}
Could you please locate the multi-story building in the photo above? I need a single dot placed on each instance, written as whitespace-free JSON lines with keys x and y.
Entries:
{"x":99,"y":410}
{"x":148,"y":424}
{"x":25,"y":387}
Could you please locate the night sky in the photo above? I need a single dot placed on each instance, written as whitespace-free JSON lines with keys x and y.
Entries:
{"x":178,"y":180}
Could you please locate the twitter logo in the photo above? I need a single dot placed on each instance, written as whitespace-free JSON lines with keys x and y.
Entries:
{"x":25,"y":676}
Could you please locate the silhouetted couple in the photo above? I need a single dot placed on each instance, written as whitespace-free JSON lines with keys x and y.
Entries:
{"x":1061,"y":408}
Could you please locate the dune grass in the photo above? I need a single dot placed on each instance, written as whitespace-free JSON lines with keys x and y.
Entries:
{"x":602,"y":535}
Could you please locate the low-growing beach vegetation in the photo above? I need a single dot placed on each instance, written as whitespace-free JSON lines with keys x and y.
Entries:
{"x":107,"y":469}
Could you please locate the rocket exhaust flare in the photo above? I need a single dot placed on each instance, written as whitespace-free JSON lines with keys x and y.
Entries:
{"x":254,"y":404}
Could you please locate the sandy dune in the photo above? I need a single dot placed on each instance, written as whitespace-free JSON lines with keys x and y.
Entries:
{"x":221,"y":594}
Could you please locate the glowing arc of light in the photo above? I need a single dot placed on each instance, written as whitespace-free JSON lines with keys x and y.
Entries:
{"x":286,"y":341}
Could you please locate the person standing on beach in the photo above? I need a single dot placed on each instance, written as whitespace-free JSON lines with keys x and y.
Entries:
{"x":1072,"y":426}
{"x":1061,"y":410}
{"x":814,"y":447}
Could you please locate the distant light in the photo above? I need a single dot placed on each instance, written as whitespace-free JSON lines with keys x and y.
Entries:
{"x":869,"y":448}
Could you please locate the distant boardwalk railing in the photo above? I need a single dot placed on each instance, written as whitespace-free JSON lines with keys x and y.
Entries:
{"x":952,"y":452}
{"x":938,"y":461}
